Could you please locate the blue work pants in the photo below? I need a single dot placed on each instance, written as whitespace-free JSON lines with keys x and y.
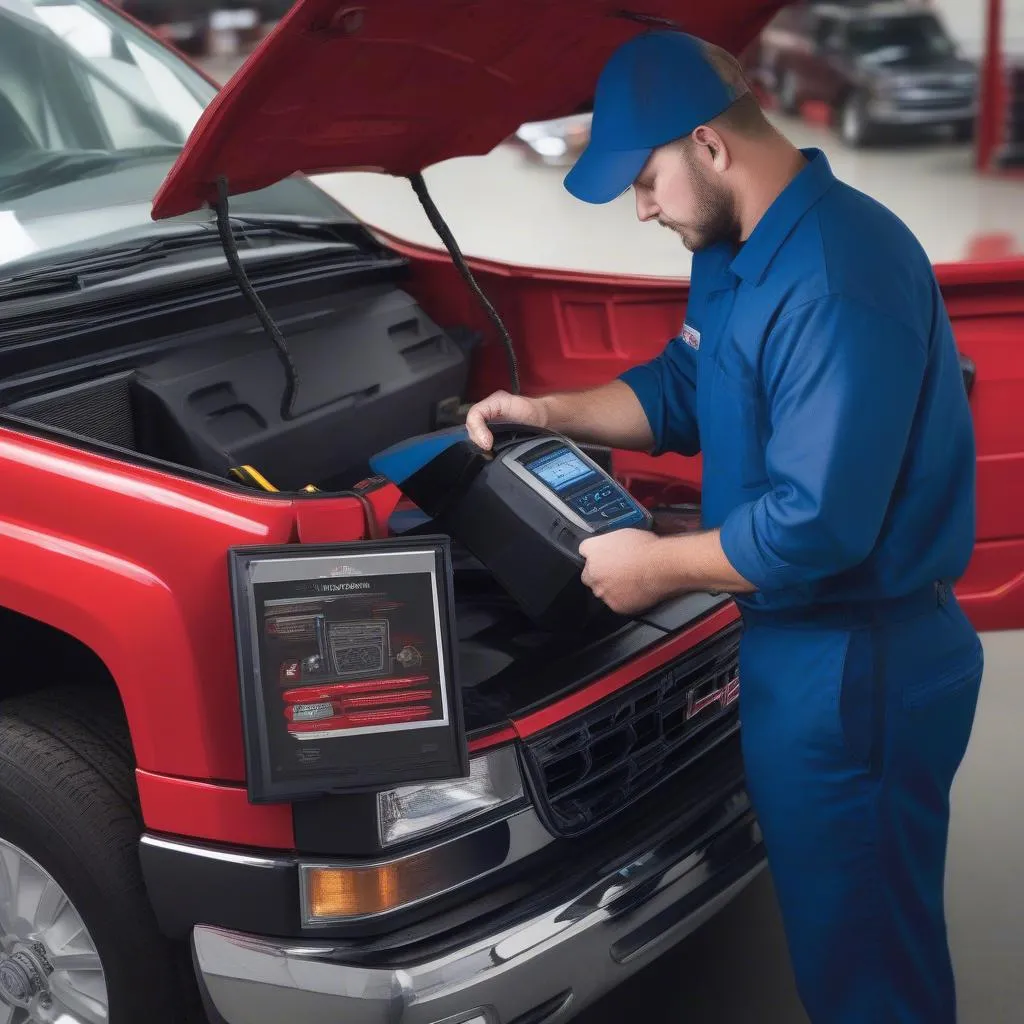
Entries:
{"x":852,"y":734}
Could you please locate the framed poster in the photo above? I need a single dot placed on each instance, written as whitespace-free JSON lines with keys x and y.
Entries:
{"x":347,"y":666}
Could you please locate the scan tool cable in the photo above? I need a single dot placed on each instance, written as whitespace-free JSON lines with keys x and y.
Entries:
{"x":227,"y":239}
{"x":444,"y":233}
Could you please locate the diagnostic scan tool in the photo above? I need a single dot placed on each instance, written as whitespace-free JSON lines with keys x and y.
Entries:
{"x":522,"y":509}
{"x":576,"y":486}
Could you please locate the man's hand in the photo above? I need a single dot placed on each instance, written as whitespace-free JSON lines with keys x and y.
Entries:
{"x":633,"y":570}
{"x":622,"y":569}
{"x":609,"y":415}
{"x":503,"y":406}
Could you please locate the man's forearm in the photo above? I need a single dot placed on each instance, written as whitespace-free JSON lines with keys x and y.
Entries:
{"x":633,"y":570}
{"x":608,"y":415}
{"x":696,"y":561}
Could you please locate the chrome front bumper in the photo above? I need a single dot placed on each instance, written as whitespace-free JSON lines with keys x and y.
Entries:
{"x":885,"y":112}
{"x":549,"y":966}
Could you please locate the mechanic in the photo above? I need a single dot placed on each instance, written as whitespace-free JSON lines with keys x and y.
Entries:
{"x":816,"y":372}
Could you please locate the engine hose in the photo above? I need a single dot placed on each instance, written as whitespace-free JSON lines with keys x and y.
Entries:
{"x":227,"y":239}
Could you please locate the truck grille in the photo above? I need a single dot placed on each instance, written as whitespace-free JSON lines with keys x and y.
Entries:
{"x":585,"y":770}
{"x":934,"y":101}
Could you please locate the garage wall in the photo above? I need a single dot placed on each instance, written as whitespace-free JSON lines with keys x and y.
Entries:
{"x":966,"y":22}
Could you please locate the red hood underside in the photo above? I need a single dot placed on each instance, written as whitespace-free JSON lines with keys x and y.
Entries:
{"x":398,"y":85}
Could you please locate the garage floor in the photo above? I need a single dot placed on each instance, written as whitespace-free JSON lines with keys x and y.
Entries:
{"x":735,"y":970}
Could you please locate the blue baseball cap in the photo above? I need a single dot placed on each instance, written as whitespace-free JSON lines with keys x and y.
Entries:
{"x":657,"y":87}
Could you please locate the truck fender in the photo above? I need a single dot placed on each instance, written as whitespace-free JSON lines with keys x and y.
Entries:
{"x":129,"y":618}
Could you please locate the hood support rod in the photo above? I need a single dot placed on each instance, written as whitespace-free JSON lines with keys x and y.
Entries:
{"x":444,"y":233}
{"x":227,"y":239}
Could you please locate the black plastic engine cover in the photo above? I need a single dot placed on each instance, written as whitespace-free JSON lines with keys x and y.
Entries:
{"x":372,"y":369}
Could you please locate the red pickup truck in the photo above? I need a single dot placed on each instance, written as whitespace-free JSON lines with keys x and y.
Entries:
{"x":604,"y":815}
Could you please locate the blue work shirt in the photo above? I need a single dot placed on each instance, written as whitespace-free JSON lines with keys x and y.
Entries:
{"x":817,"y":373}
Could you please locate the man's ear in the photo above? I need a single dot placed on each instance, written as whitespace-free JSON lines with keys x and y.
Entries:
{"x":714,"y":146}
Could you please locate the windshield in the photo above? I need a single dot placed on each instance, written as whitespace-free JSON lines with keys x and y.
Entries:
{"x":75,"y":78}
{"x":93,"y":113}
{"x":907,"y":38}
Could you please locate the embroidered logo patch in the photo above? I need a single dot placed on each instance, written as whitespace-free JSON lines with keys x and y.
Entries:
{"x":691,"y":336}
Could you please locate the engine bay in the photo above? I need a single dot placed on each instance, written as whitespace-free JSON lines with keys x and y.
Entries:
{"x":372,"y":369}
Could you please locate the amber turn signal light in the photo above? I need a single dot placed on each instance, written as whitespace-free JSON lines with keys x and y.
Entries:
{"x":348,"y":892}
{"x":331,"y":894}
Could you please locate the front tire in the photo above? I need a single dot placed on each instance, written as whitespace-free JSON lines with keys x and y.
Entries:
{"x":79,"y":935}
{"x":789,"y":93}
{"x":855,"y":129}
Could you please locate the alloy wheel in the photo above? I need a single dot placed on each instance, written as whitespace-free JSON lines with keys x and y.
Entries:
{"x":50,"y":969}
{"x":789,"y":100}
{"x":852,"y":127}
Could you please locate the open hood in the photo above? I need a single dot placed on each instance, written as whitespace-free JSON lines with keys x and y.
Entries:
{"x":398,"y":85}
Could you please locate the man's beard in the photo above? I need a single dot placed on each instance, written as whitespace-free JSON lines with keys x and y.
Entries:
{"x":715,"y":218}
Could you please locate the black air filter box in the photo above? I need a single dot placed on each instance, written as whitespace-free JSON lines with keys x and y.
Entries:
{"x":372,"y":370}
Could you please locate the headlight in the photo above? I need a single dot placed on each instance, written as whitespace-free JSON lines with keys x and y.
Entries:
{"x":412,"y":811}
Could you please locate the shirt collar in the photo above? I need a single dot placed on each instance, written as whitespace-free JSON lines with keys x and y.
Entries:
{"x":809,"y":185}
